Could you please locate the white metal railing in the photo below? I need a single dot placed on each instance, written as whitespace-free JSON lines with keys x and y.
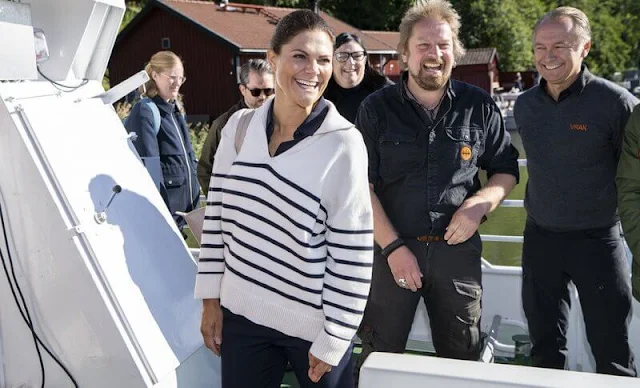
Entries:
{"x":501,"y":238}
{"x":512,"y":203}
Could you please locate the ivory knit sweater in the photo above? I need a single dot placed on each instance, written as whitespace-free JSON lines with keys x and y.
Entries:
{"x":288,"y":240}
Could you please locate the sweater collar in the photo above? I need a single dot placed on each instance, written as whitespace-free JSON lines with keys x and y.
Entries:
{"x":333,"y":121}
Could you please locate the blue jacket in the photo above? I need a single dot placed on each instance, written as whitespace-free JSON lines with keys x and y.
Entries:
{"x":168,"y":154}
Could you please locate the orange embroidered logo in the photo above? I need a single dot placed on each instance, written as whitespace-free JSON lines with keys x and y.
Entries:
{"x":578,"y":127}
{"x":465,"y":153}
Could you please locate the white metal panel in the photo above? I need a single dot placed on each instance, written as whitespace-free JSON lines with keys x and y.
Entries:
{"x":17,"y":40}
{"x":128,"y":316}
{"x":383,"y":370}
{"x":80,"y":35}
{"x":67,"y":307}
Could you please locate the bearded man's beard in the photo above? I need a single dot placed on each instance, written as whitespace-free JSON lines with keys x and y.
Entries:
{"x":429,"y":82}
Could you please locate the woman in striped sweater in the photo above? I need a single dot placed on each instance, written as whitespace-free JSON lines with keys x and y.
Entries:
{"x":287,"y":247}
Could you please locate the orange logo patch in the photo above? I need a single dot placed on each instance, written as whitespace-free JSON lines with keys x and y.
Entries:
{"x":578,"y":127}
{"x":465,"y":153}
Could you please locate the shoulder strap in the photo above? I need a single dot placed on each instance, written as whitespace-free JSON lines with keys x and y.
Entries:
{"x":241,"y":131}
{"x":154,"y":111}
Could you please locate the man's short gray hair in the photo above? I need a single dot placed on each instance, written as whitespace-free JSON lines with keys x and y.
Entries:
{"x":260,"y":66}
{"x":581,"y":25}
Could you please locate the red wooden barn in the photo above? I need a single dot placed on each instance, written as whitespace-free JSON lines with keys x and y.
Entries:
{"x":479,"y":67}
{"x":213,"y":41}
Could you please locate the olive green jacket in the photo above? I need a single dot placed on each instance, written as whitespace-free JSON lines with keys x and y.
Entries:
{"x":628,"y":183}
{"x":205,"y":163}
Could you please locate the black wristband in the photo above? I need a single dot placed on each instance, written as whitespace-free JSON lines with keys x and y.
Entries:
{"x":395,"y":244}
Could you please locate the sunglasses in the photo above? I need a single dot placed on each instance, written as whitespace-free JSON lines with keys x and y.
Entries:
{"x":257,"y":91}
{"x":357,"y":56}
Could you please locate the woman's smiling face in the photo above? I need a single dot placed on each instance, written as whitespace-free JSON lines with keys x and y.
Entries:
{"x":303,"y":67}
{"x":349,"y":72}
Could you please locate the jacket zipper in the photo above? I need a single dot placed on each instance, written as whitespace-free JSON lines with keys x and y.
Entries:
{"x":186,"y":157}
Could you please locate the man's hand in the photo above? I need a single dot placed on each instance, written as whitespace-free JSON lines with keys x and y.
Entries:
{"x":317,"y":368}
{"x":403,"y":265}
{"x":211,"y":324}
{"x":466,"y":220}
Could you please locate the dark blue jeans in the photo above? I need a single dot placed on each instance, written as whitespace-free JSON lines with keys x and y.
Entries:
{"x":255,"y":356}
{"x":595,"y":260}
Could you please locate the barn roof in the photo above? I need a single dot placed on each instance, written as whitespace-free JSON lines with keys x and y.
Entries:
{"x":247,"y":27}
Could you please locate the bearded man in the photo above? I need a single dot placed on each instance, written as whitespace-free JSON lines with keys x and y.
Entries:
{"x":427,"y":137}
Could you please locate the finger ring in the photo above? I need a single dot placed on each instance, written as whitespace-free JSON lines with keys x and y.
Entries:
{"x":403,"y":282}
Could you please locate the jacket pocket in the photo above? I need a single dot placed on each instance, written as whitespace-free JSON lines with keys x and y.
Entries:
{"x":400,"y":154}
{"x":177,"y":192}
{"x":465,"y":144}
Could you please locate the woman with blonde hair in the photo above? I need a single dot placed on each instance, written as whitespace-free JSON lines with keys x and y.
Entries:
{"x":163,"y":135}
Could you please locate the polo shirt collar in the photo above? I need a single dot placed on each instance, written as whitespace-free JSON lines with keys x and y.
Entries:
{"x":575,"y":88}
{"x":309,"y":126}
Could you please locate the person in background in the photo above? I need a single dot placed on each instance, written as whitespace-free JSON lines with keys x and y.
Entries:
{"x":353,"y":77}
{"x":517,"y":85}
{"x":628,"y":184}
{"x":164,"y":145}
{"x":287,"y":247}
{"x":256,"y":85}
{"x":427,"y":138}
{"x":572,"y":125}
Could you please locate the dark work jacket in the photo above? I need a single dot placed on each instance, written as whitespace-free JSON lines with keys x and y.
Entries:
{"x":423,"y":170}
{"x":205,"y":163}
{"x":168,"y":156}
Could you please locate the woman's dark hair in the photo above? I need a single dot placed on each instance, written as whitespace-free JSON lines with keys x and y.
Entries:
{"x":372,"y":78}
{"x":294,"y":23}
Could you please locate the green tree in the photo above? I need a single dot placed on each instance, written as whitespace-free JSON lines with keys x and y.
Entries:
{"x":504,"y":24}
{"x":384,"y":15}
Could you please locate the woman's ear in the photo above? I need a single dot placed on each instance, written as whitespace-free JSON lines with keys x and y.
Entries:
{"x":271,"y":58}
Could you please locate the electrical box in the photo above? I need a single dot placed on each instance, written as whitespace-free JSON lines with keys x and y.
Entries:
{"x":80,"y":35}
{"x":17,"y":48}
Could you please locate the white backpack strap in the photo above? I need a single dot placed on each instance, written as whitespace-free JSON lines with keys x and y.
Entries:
{"x":241,"y":131}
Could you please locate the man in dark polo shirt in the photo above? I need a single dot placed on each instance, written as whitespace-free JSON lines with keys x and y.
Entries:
{"x":572,"y":127}
{"x":427,"y":136}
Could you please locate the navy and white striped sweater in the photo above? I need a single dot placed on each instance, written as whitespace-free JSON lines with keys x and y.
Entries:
{"x":288,"y":240}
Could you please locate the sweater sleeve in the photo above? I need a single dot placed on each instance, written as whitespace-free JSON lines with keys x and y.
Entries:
{"x":628,"y":184}
{"x":211,"y":260}
{"x":349,"y":236}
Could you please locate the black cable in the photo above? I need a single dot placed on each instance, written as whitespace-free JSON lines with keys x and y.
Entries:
{"x":25,"y":315}
{"x":26,"y":318}
{"x":56,"y":84}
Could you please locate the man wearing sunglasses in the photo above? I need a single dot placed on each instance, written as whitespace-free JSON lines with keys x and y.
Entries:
{"x":256,"y":85}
